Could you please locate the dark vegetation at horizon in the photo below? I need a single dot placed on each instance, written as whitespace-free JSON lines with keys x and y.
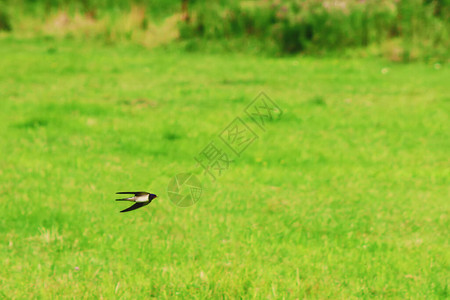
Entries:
{"x":399,"y":30}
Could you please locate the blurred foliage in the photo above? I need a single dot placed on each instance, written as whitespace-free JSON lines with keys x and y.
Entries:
{"x":314,"y":26}
{"x":5,"y":22}
{"x":403,"y":30}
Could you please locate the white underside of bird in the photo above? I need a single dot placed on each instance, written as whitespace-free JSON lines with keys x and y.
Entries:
{"x":140,"y":199}
{"x":143,"y":198}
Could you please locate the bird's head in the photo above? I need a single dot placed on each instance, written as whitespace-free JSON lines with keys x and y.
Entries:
{"x":152,"y":196}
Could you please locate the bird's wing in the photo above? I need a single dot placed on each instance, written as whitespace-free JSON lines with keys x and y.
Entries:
{"x":135,"y":206}
{"x":135,"y":193}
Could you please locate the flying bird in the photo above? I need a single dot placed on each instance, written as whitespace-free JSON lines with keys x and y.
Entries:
{"x":140,"y":198}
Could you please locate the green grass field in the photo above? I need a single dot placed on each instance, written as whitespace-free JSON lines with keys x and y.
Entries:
{"x":345,"y":196}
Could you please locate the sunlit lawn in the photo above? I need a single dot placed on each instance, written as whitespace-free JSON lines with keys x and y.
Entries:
{"x":345,"y":196}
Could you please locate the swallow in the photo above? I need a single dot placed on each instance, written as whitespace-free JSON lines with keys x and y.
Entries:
{"x":141,"y":199}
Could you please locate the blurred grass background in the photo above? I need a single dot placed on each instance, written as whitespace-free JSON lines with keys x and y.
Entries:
{"x":344,"y":197}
